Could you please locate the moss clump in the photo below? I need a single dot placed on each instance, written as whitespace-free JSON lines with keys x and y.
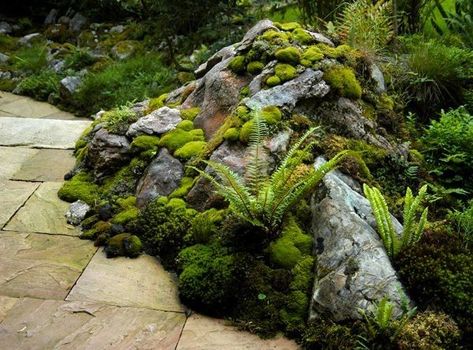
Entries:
{"x":81,"y":187}
{"x":184,"y":187}
{"x":274,"y":36}
{"x":145,"y":142}
{"x":190,"y":113}
{"x":99,"y":228}
{"x":123,"y":182}
{"x":231,"y":134}
{"x":205,"y":225}
{"x":385,"y":102}
{"x":177,"y":138}
{"x":289,"y":26}
{"x":245,"y":131}
{"x":273,"y":81}
{"x":125,"y":216}
{"x":289,"y":54}
{"x":285,"y":72}
{"x":186,"y":125}
{"x":191,"y":149}
{"x":271,"y":114}
{"x":157,"y":102}
{"x":176,"y":203}
{"x":311,"y":55}
{"x":207,"y":279}
{"x":343,"y":80}
{"x":255,"y":67}
{"x":185,"y":77}
{"x":119,"y":119}
{"x":335,"y":52}
{"x":237,"y":64}
{"x":123,"y":244}
{"x":242,"y":112}
{"x":302,"y":36}
{"x":293,"y":244}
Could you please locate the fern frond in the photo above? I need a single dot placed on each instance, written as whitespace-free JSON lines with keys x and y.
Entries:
{"x":420,"y":226}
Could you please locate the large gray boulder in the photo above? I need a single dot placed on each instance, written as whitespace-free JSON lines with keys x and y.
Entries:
{"x":258,"y":29}
{"x":353,"y":270}
{"x":107,"y":152}
{"x":156,"y":123}
{"x":161,"y":177}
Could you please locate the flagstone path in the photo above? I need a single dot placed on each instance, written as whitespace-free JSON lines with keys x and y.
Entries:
{"x":60,"y":292}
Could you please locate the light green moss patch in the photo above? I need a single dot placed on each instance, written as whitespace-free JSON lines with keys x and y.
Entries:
{"x":184,"y":188}
{"x":255,"y":67}
{"x":177,"y":138}
{"x":285,"y":71}
{"x":145,"y":142}
{"x":237,"y":64}
{"x":157,"y":102}
{"x":191,"y":149}
{"x":245,"y":131}
{"x":275,"y":36}
{"x":289,"y":55}
{"x":313,"y":54}
{"x":186,"y":125}
{"x":176,"y":203}
{"x":271,"y":114}
{"x":190,"y":113}
{"x":302,"y":36}
{"x":273,"y":80}
{"x":343,"y":80}
{"x":290,"y":26}
{"x":81,"y":187}
{"x":231,"y":134}
{"x":126,"y":216}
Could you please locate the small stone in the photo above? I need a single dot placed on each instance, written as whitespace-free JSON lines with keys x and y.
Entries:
{"x":117,"y":29}
{"x":157,"y":122}
{"x":69,"y":85}
{"x":77,"y":22}
{"x":105,"y":212}
{"x":377,"y":75}
{"x":51,"y":17}
{"x":5,"y":28}
{"x":4,"y":58}
{"x":123,"y":49}
{"x":28,"y":39}
{"x":77,"y":212}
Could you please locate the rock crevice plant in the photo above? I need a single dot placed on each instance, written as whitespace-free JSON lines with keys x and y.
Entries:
{"x":412,"y":230}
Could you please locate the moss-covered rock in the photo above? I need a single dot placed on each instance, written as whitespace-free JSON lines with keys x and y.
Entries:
{"x":177,"y":138}
{"x":99,"y":228}
{"x":274,"y":36}
{"x":289,"y":54}
{"x":285,"y":72}
{"x":125,"y":216}
{"x":302,"y":36}
{"x":271,"y":114}
{"x":190,"y":113}
{"x":191,"y":149}
{"x":186,"y":125}
{"x":289,"y":26}
{"x":255,"y":67}
{"x":232,"y":134}
{"x":311,"y":54}
{"x":82,"y":187}
{"x":273,"y":80}
{"x":145,"y":142}
{"x":123,"y":244}
{"x":343,"y":80}
{"x":237,"y":64}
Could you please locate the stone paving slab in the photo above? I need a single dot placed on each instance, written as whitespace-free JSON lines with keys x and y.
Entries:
{"x":46,"y":165}
{"x":11,"y":159}
{"x":140,"y":282}
{"x":6,"y":303}
{"x":40,"y":133}
{"x":206,"y":333}
{"x":6,"y":97}
{"x":28,"y":108}
{"x":12,"y":196}
{"x":62,"y":115}
{"x":43,"y":213}
{"x":41,"y":266}
{"x":45,"y":324}
{"x":5,"y":114}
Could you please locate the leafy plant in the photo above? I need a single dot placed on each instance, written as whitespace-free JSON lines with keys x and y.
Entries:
{"x":366,"y":25}
{"x":463,"y":222}
{"x":39,"y":85}
{"x":411,"y":231}
{"x":263,"y":200}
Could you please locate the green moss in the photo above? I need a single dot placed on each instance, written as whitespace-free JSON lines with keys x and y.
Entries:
{"x":184,"y":187}
{"x":145,"y":142}
{"x":285,"y":72}
{"x":237,"y":64}
{"x":231,"y":134}
{"x":157,"y":102}
{"x":245,"y":131}
{"x":275,"y":36}
{"x":99,"y":228}
{"x":243,"y":112}
{"x":176,"y":203}
{"x":190,"y":113}
{"x":271,"y":114}
{"x":177,"y":138}
{"x":185,"y":77}
{"x":293,"y":244}
{"x":312,"y":54}
{"x":123,"y":182}
{"x":302,"y":36}
{"x":125,"y":216}
{"x":191,"y":149}
{"x":343,"y":80}
{"x":205,"y":225}
{"x":80,"y":187}
{"x":244,"y":92}
{"x":119,"y":119}
{"x":273,"y":81}
{"x":335,"y":52}
{"x":290,"y":26}
{"x":289,"y":55}
{"x":123,"y":244}
{"x":255,"y":67}
{"x":385,"y":102}
{"x":186,"y":125}
{"x":127,"y":203}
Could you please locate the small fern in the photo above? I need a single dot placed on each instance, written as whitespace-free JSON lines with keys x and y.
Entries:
{"x":412,"y":231}
{"x":262,"y":199}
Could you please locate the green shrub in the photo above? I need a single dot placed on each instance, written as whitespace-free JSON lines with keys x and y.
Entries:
{"x":124,"y":81}
{"x":437,"y":273}
{"x":448,"y":148}
{"x":289,"y":54}
{"x":343,"y":81}
{"x":207,"y":281}
{"x":429,"y":330}
{"x":40,"y":85}
{"x":81,"y":187}
{"x":80,"y":59}
{"x":205,"y":225}
{"x":162,"y":229}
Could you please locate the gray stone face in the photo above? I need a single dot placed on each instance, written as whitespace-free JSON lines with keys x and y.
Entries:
{"x":77,"y":212}
{"x":258,"y":82}
{"x":69,"y":86}
{"x":51,"y":17}
{"x":353,"y":270}
{"x":157,"y":122}
{"x":77,"y":22}
{"x":378,"y":77}
{"x":107,"y":152}
{"x":161,"y":177}
{"x":307,"y":85}
{"x":123,"y":49}
{"x":27,"y":39}
{"x":5,"y":28}
{"x":4,"y":58}
{"x":321,"y":38}
{"x":219,"y":56}
{"x":258,"y":29}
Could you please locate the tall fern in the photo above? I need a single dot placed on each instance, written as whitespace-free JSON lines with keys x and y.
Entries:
{"x":262,"y":199}
{"x":412,"y":230}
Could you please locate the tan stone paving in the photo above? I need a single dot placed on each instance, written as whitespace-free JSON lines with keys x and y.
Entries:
{"x":60,"y":292}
